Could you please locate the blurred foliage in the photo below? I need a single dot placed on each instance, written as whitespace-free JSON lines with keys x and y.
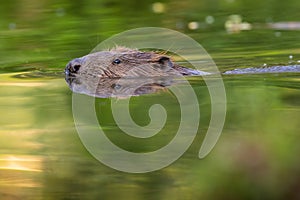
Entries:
{"x":49,"y":33}
{"x":255,"y":158}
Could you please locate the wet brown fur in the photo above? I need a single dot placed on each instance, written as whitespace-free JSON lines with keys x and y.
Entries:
{"x":133,"y":63}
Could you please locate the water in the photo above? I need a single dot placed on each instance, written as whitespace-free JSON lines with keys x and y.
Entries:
{"x":42,"y":157}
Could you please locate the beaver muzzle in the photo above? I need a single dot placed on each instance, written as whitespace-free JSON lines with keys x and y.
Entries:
{"x":73,"y":67}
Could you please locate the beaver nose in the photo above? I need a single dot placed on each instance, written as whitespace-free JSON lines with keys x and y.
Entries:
{"x":73,"y":66}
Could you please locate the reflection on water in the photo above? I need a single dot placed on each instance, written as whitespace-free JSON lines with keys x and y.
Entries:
{"x":24,"y":163}
{"x":117,"y":87}
{"x":41,"y":156}
{"x":234,"y":24}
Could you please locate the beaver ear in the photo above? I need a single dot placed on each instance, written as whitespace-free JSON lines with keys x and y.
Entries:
{"x":164,"y":62}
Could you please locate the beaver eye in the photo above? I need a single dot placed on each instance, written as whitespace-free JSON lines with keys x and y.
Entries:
{"x":117,"y":61}
{"x":116,"y":86}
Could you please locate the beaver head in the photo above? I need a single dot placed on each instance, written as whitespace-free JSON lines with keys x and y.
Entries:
{"x":121,"y":62}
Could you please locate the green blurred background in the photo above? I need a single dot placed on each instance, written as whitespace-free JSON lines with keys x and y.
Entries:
{"x":41,"y":156}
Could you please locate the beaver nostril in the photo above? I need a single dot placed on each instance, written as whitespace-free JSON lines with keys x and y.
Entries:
{"x":76,"y":68}
{"x":73,"y":66}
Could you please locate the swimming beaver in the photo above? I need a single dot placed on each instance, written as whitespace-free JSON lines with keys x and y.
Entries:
{"x":102,"y":73}
{"x":123,"y":72}
{"x":125,"y":62}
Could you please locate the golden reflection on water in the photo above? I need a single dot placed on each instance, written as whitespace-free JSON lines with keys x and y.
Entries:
{"x":21,"y":163}
{"x":19,"y":171}
{"x":22,"y":84}
{"x":21,"y":168}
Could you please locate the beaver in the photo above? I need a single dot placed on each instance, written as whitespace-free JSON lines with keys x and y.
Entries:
{"x":125,"y":62}
{"x":123,"y":71}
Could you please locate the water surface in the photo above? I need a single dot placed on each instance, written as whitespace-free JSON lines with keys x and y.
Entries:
{"x":42,"y":157}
